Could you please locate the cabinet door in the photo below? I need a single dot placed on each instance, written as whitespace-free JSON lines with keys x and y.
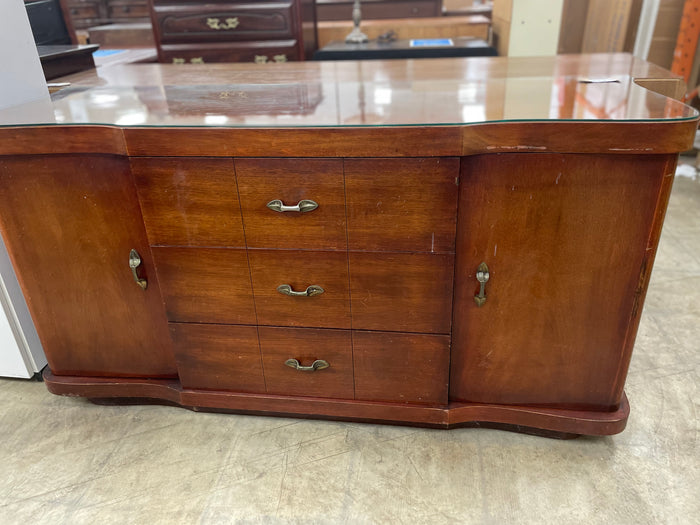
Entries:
{"x":70,"y":224}
{"x":565,"y":240}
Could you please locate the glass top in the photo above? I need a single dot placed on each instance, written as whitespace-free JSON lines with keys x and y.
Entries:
{"x":373,"y":93}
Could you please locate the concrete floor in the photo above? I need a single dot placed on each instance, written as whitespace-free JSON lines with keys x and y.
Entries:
{"x":64,"y":460}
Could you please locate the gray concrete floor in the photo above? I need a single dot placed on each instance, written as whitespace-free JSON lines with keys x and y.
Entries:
{"x":64,"y":460}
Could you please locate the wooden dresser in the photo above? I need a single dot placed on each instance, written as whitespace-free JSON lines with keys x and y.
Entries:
{"x":265,"y":31}
{"x":438,"y":242}
{"x":89,"y":13}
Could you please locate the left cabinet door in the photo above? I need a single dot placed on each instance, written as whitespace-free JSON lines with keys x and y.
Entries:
{"x":70,"y":224}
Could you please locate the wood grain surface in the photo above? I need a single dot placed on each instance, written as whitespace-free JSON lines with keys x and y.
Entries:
{"x":401,"y":292}
{"x":301,"y":269}
{"x":69,"y":224}
{"x":565,"y":239}
{"x":206,"y":285}
{"x":402,"y":205}
{"x":189,"y":202}
{"x":292,"y":180}
{"x":307,"y":345}
{"x":218,"y":357}
{"x":405,"y":368}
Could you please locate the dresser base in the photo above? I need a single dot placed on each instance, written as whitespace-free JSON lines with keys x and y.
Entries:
{"x":551,"y":422}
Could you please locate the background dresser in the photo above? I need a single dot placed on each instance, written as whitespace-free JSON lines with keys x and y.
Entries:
{"x":264,"y":31}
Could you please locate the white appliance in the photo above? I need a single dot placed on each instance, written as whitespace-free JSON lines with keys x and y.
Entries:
{"x":21,"y":353}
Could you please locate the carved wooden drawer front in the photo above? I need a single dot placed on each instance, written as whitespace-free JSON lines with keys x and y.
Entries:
{"x":262,"y":52}
{"x":407,"y":368}
{"x":301,"y":288}
{"x":272,"y":190}
{"x":404,"y":205}
{"x":323,"y":366}
{"x":83,"y":10}
{"x":218,"y":357}
{"x":127,"y":9}
{"x":205,"y":285}
{"x":189,"y":202}
{"x":212,"y":22}
{"x":401,"y":292}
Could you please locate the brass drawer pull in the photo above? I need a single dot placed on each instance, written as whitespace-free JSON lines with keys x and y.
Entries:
{"x":216,"y":24}
{"x":312,"y":290}
{"x":304,"y":206}
{"x":135,"y":262}
{"x":319,"y":364}
{"x":482,"y":275}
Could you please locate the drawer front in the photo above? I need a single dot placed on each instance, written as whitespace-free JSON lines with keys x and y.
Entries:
{"x":300,"y":270}
{"x":205,"y":285}
{"x":263,"y":53}
{"x":377,"y":10}
{"x":218,"y":357}
{"x":292,"y":181}
{"x":215,"y":22}
{"x":83,"y":11}
{"x":306,"y":346}
{"x":404,"y":205}
{"x":405,"y":368}
{"x":189,"y":202}
{"x":128,"y":10}
{"x":401,"y":292}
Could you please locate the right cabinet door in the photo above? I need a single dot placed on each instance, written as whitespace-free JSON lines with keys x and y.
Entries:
{"x":565,"y":240}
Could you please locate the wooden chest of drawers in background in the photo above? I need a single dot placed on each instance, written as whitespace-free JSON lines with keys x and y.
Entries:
{"x":89,"y":13}
{"x":229,"y":31}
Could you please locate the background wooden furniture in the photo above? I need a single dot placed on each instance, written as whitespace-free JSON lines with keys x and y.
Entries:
{"x":158,"y":262}
{"x":51,"y":23}
{"x":461,"y":47}
{"x":475,"y":26}
{"x":88,"y":13}
{"x":228,"y":31}
{"x":372,"y":9}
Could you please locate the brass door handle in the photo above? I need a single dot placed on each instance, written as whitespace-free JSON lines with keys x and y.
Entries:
{"x":319,"y":364}
{"x":303,"y":206}
{"x":482,"y":275}
{"x":135,"y":262}
{"x":312,"y":290}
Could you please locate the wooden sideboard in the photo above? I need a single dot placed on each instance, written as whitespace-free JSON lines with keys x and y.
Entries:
{"x":437,"y":242}
{"x":89,"y":13}
{"x":264,"y":32}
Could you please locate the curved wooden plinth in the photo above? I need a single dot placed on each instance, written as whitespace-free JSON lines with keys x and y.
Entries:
{"x":519,"y":418}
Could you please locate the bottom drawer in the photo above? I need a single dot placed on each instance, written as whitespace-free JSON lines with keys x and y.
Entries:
{"x":260,"y":52}
{"x":400,"y":367}
{"x":218,"y":357}
{"x":306,"y":346}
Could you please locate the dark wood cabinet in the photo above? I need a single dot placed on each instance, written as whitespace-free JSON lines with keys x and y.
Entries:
{"x":229,"y":31}
{"x":430,"y":274}
{"x":374,"y":9}
{"x":90,"y":13}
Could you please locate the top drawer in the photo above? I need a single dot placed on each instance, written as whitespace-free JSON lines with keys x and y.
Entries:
{"x":232,"y":21}
{"x":189,"y":201}
{"x":402,"y":205}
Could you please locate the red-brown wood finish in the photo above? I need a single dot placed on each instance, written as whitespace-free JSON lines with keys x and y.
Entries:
{"x":401,"y":291}
{"x":453,"y":415}
{"x":291,"y":181}
{"x":189,"y":202}
{"x":206,"y":285}
{"x":218,"y":357}
{"x":306,"y":346}
{"x":402,"y":205}
{"x":405,"y":368}
{"x":566,"y":213}
{"x":552,"y":317}
{"x":300,"y":270}
{"x":69,"y":224}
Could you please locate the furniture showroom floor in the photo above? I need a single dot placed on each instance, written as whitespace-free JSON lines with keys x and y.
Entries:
{"x":64,"y":460}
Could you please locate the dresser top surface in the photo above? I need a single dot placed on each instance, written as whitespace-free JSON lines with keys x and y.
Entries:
{"x":359,"y":94}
